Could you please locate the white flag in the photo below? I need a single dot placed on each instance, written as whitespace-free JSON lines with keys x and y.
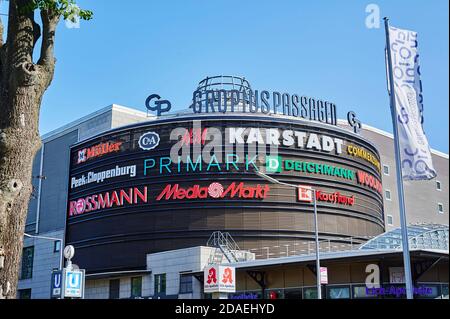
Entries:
{"x":414,"y":149}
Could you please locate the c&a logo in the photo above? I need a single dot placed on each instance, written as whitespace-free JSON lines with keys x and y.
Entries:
{"x":149,"y":141}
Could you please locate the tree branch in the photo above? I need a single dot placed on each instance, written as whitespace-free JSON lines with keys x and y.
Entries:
{"x":50,"y":20}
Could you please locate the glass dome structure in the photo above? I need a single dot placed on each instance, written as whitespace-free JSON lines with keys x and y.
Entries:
{"x":422,"y":236}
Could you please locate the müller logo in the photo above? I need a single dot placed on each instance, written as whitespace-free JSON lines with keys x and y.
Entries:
{"x":214,"y":190}
{"x":97,"y":150}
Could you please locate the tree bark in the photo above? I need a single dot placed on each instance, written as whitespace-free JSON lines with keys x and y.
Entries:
{"x":22,"y":85}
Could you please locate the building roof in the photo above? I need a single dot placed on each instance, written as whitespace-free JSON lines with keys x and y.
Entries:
{"x":338,"y":255}
{"x":423,"y":236}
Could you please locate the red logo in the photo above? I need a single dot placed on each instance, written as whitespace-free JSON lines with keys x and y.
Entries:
{"x":369,"y":180}
{"x":194,"y":136}
{"x":214,"y":190}
{"x":101,"y":201}
{"x":227,"y":276}
{"x":97,"y":150}
{"x":212,"y":276}
{"x":305,"y":194}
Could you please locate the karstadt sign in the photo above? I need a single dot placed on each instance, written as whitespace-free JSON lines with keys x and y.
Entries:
{"x":219,"y":279}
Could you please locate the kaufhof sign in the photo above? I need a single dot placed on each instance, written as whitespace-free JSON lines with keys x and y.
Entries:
{"x":219,"y":279}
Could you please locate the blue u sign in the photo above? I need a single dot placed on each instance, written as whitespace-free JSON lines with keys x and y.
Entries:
{"x":149,"y":141}
{"x":56,"y":284}
{"x":73,"y":284}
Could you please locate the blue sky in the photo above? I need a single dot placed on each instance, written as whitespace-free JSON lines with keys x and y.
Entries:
{"x":314,"y":48}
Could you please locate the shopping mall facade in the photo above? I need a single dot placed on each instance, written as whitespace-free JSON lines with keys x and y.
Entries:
{"x":139,"y":197}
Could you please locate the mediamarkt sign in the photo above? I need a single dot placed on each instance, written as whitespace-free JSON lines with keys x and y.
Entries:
{"x":214,"y":190}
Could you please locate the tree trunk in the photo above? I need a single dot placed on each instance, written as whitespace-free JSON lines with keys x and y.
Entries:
{"x":22,"y":85}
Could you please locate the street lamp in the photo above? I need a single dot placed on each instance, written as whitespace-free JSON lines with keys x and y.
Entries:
{"x":316,"y":230}
{"x":54,"y":239}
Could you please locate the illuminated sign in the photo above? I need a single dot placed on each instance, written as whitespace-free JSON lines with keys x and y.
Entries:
{"x":370,"y":181}
{"x":100,"y":176}
{"x":165,"y":165}
{"x":275,"y":164}
{"x":365,"y":155}
{"x":304,"y":194}
{"x":214,"y":190}
{"x":288,"y":138}
{"x":249,"y":101}
{"x":335,"y":198}
{"x":149,"y":141}
{"x":117,"y":198}
{"x":219,"y":279}
{"x":97,"y":151}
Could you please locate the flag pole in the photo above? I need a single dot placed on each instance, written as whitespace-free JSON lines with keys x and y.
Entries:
{"x":401,"y":195}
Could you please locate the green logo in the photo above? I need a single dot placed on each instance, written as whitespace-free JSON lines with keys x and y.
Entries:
{"x":273,"y":164}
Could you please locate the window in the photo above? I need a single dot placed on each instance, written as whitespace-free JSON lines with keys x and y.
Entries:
{"x":440,"y":208}
{"x":390,"y":220}
{"x":114,"y":289}
{"x":185,"y":284}
{"x":24,"y":293}
{"x":27,"y":263}
{"x":338,"y":292}
{"x":387,"y":194}
{"x":136,"y":287}
{"x":57,"y":246}
{"x":293,"y":293}
{"x":438,"y":185}
{"x":310,"y":293}
{"x":160,"y":284}
{"x":386,"y":170}
{"x":361,"y":292}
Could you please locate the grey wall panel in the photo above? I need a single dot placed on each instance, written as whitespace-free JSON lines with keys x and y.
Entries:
{"x":54,"y":187}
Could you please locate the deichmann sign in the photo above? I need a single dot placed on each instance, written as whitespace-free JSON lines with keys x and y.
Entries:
{"x":249,"y":101}
{"x":219,"y":279}
{"x":276,"y":164}
{"x":99,"y":177}
{"x":214,"y":190}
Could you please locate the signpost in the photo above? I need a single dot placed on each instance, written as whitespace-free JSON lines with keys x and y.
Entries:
{"x":73,"y":283}
{"x":56,"y":286}
{"x":68,"y":282}
{"x":219,"y":280}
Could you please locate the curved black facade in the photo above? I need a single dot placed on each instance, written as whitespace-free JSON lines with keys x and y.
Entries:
{"x":128,"y":197}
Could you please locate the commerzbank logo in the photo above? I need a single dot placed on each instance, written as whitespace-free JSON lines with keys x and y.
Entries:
{"x":276,"y":164}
